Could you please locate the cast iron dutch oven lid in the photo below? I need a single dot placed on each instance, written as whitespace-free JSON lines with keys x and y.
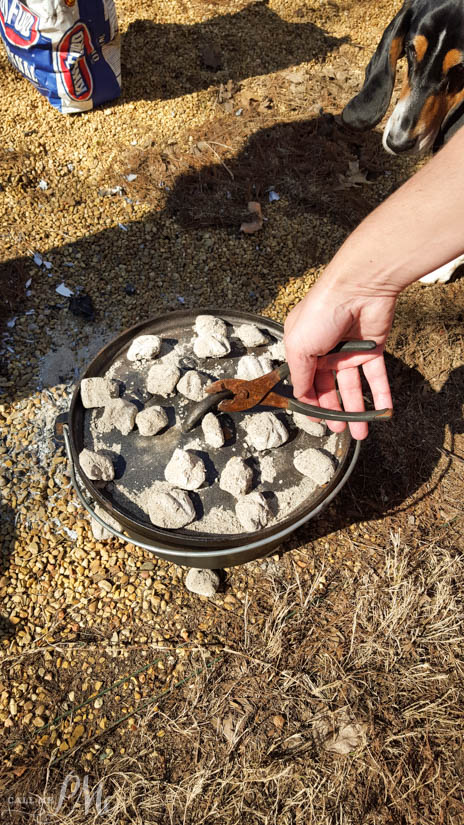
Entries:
{"x":140,"y":461}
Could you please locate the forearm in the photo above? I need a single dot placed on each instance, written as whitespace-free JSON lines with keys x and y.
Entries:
{"x":417,"y":229}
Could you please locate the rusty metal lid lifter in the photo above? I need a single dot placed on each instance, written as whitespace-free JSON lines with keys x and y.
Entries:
{"x":235,"y":395}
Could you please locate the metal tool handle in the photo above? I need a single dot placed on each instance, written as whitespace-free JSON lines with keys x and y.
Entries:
{"x":338,"y":415}
{"x":343,"y":346}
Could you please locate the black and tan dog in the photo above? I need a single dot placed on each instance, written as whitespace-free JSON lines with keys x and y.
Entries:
{"x":430,"y":34}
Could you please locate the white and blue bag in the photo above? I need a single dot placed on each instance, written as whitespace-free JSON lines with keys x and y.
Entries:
{"x":69,"y":49}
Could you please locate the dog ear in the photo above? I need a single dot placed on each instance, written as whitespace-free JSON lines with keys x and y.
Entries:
{"x":369,"y":106}
{"x":453,"y":121}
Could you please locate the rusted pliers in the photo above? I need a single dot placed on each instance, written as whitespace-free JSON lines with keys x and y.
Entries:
{"x":235,"y":395}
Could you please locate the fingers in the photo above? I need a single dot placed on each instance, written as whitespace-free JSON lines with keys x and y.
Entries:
{"x":328,"y":397}
{"x":350,"y":387}
{"x":349,"y":384}
{"x":310,"y":397}
{"x":376,"y":375}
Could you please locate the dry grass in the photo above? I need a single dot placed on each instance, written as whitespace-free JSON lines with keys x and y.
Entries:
{"x":260,"y":735}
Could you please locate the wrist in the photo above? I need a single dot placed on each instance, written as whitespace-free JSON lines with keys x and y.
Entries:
{"x":357,"y":273}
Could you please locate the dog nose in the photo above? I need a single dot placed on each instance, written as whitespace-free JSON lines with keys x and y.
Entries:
{"x":400,"y":143}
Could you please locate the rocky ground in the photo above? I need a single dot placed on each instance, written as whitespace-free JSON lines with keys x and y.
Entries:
{"x":323,"y":684}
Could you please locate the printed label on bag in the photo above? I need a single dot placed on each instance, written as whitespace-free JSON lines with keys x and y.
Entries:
{"x":20,"y":25}
{"x":72,"y":51}
{"x":69,"y":49}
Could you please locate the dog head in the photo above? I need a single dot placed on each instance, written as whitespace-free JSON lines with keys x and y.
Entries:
{"x":430,"y":34}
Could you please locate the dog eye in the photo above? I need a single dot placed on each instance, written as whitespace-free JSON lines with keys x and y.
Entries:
{"x":455,"y":78}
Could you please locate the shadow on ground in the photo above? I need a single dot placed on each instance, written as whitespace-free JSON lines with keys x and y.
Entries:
{"x":157,"y":58}
{"x":304,"y":160}
{"x":399,"y":456}
{"x":7,"y":540}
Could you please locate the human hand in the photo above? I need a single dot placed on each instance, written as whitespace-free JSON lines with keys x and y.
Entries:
{"x":328,"y":314}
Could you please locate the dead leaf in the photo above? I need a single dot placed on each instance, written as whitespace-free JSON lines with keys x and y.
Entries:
{"x":256,"y":223}
{"x":243,"y":705}
{"x":295,"y":741}
{"x":266,"y":104}
{"x":248,"y":98}
{"x":347,"y":739}
{"x":254,"y":208}
{"x":249,"y":227}
{"x":229,"y":728}
{"x":225,"y":94}
{"x":169,"y":159}
{"x":295,"y":77}
{"x":339,"y":733}
{"x":278,"y":721}
{"x":328,"y":71}
{"x":19,"y":770}
{"x":353,"y":178}
{"x":226,"y":91}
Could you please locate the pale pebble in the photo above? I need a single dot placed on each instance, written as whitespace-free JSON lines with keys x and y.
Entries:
{"x":236,"y":477}
{"x":253,"y":511}
{"x":265,"y":431}
{"x":162,"y":379}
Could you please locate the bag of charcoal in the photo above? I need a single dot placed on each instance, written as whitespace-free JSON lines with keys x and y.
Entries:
{"x":69,"y":49}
